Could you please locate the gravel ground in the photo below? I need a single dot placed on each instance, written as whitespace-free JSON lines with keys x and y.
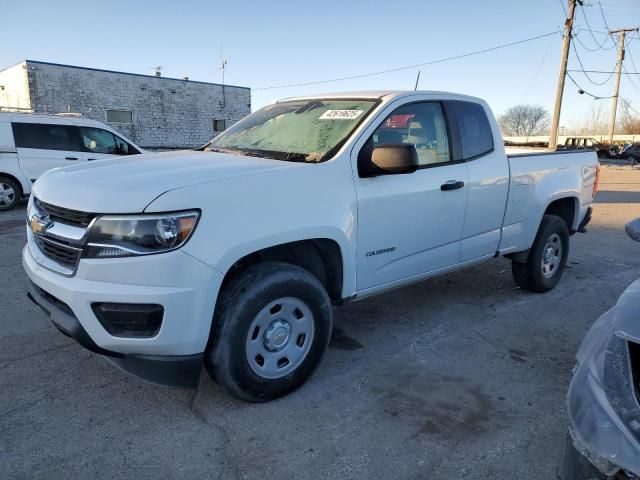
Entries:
{"x":463,"y":376}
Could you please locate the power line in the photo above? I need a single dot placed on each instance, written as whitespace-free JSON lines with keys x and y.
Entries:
{"x":585,"y":72}
{"x":604,"y":20}
{"x":631,"y":81}
{"x":635,"y":69}
{"x":631,"y":108}
{"x":577,"y":37}
{"x":564,"y":9}
{"x":535,"y":75}
{"x":586,"y":19}
{"x":397,"y":69}
{"x":602,"y":71}
{"x":583,"y":91}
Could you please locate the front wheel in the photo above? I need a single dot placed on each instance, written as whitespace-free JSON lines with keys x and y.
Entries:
{"x":547,"y":257}
{"x":270,"y":331}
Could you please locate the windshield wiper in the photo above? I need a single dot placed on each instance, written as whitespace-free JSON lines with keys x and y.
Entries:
{"x":297,"y":157}
{"x":236,"y":151}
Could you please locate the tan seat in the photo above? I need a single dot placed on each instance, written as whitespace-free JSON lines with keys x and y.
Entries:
{"x":419,"y":137}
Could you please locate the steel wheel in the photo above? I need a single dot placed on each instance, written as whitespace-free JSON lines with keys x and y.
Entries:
{"x":551,"y":255}
{"x":279,"y":337}
{"x":7,"y":194}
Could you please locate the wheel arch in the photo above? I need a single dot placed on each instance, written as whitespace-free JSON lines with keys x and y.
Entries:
{"x":15,"y":179}
{"x":322,"y":257}
{"x":567,"y":208}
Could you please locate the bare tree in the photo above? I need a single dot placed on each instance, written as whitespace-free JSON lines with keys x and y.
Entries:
{"x":595,"y":122}
{"x":524,"y":120}
{"x":629,"y":120}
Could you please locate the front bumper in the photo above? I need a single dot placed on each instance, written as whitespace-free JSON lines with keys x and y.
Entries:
{"x":602,"y":402}
{"x":185,"y":287}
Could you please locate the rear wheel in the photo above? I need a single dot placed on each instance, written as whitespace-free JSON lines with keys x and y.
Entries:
{"x":547,"y":257}
{"x":10,"y":194}
{"x":270,"y":331}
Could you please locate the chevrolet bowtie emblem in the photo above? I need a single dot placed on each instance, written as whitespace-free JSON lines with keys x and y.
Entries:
{"x":39,"y":224}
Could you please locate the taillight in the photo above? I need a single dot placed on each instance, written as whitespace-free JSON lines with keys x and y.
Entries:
{"x":596,"y":182}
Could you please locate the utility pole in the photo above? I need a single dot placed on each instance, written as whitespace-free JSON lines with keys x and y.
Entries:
{"x":616,"y":88}
{"x":566,"y":43}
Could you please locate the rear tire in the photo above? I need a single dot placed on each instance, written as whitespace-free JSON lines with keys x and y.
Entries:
{"x":270,"y":331}
{"x":10,"y":194}
{"x":547,"y":257}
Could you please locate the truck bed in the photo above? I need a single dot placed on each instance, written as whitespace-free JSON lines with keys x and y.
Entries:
{"x":538,"y":178}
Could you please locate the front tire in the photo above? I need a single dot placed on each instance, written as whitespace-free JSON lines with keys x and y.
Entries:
{"x":547,"y":257}
{"x":10,"y":194}
{"x":270,"y":331}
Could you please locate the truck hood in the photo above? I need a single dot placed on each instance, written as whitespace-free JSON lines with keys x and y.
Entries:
{"x":128,"y":185}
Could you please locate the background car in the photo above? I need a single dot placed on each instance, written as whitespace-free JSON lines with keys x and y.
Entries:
{"x":587,"y":143}
{"x":31,"y":144}
{"x":631,"y":152}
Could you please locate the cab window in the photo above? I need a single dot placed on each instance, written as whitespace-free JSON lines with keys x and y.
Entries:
{"x":476,"y":136}
{"x":421,"y":125}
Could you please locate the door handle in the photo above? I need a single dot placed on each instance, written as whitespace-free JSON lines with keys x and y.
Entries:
{"x":70,"y":158}
{"x":90,"y":159}
{"x":451,"y":185}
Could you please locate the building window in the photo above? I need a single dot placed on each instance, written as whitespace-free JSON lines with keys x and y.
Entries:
{"x":219,"y":125}
{"x":119,"y":116}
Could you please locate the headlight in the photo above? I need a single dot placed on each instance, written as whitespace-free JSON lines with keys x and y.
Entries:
{"x":127,"y":235}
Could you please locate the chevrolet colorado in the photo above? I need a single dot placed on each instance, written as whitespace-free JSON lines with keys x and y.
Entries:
{"x":232,"y":256}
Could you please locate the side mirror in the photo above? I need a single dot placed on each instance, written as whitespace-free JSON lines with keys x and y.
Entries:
{"x":633,"y":229}
{"x":395,"y":159}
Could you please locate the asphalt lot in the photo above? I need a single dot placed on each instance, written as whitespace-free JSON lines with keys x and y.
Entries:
{"x":463,"y":376}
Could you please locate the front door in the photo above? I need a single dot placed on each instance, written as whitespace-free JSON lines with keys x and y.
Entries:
{"x":410,"y":224}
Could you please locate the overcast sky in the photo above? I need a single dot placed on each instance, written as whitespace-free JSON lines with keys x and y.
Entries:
{"x":283,"y":42}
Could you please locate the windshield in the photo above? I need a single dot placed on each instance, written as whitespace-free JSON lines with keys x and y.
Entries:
{"x":302,"y":130}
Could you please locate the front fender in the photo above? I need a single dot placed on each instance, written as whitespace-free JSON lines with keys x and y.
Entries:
{"x":244,"y":214}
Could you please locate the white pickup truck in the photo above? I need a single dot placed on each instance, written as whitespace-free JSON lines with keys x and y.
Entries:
{"x":232,"y":256}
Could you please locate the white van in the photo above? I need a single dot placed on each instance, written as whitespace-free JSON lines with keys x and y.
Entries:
{"x":31,"y":144}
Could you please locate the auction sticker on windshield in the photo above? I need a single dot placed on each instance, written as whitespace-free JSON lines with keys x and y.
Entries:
{"x":340,"y":114}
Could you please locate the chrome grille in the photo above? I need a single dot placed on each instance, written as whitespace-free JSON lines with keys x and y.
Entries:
{"x":65,"y":215}
{"x":62,"y":254}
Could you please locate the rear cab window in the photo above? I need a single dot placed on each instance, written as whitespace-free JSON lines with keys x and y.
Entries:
{"x":474,"y":129}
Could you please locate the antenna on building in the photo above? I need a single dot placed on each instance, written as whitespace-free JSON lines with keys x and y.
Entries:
{"x":223,"y":65}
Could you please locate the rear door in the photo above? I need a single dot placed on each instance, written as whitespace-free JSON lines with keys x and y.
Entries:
{"x":43,"y":146}
{"x":474,"y":129}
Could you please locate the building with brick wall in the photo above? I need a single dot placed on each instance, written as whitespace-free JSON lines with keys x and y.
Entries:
{"x":155,"y":112}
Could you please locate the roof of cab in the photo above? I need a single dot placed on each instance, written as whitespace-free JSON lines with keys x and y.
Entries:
{"x":381,"y":94}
